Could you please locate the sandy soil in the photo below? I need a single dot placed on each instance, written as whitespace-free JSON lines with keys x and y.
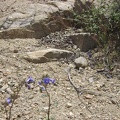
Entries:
{"x":100,"y":102}
{"x":100,"y":98}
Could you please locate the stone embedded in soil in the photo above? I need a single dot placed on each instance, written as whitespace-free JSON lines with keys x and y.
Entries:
{"x":71,"y":115}
{"x":68,"y":105}
{"x":1,"y":83}
{"x":114,"y":100}
{"x":12,"y":83}
{"x":99,"y":85}
{"x":91,"y":79}
{"x":88,"y":96}
{"x":45,"y":109}
{"x":3,"y":89}
{"x":81,"y":62}
{"x":31,"y":97}
{"x":85,"y":41}
{"x":1,"y":119}
{"x":47,"y":55}
{"x":40,"y":117}
{"x":9,"y":91}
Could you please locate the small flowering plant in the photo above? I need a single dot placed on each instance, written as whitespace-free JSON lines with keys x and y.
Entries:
{"x":43,"y":86}
{"x":9,"y":102}
{"x":45,"y":81}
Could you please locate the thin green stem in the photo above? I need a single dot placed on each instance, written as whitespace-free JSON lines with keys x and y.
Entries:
{"x":14,"y":98}
{"x":48,"y":104}
{"x":9,"y":115}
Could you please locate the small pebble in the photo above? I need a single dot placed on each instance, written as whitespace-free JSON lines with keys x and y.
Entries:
{"x":68,"y":88}
{"x":71,"y":115}
{"x":81,"y":62}
{"x":45,"y":109}
{"x":91,"y":80}
{"x":68,"y":105}
{"x":4,"y":87}
{"x":31,"y":96}
{"x":15,"y":51}
{"x":114,"y":101}
{"x":9,"y":91}
{"x":88,"y":96}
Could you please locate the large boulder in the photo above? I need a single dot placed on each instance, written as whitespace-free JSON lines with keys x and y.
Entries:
{"x":47,"y":55}
{"x":35,"y":20}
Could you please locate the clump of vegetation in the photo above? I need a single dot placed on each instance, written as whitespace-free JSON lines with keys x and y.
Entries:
{"x":104,"y":21}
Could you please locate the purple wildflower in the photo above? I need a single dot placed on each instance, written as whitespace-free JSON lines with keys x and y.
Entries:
{"x":48,"y":81}
{"x":40,"y":83}
{"x":89,"y":54}
{"x":52,"y":81}
{"x":30,"y":80}
{"x":8,"y":100}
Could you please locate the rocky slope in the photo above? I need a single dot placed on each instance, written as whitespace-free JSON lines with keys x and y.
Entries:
{"x":98,"y":96}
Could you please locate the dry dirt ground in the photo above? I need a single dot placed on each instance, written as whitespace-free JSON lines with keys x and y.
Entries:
{"x":100,"y":98}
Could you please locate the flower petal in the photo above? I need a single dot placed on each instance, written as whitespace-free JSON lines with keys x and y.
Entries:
{"x":52,"y":81}
{"x":8,"y":100}
{"x":30,"y":80}
{"x":46,"y":80}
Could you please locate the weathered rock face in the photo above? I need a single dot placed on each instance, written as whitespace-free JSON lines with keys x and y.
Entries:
{"x":17,"y":33}
{"x":84,"y":41}
{"x":34,"y":21}
{"x":47,"y":55}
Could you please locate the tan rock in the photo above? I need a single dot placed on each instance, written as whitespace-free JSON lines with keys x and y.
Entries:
{"x":81,"y":62}
{"x":68,"y":105}
{"x":28,"y":23}
{"x":85,"y":41}
{"x":88,"y":96}
{"x":47,"y":55}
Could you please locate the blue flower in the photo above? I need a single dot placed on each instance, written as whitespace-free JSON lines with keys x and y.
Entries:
{"x":52,"y":81}
{"x":8,"y":100}
{"x":89,"y":54}
{"x":48,"y":81}
{"x":30,"y":80}
{"x":40,"y":83}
